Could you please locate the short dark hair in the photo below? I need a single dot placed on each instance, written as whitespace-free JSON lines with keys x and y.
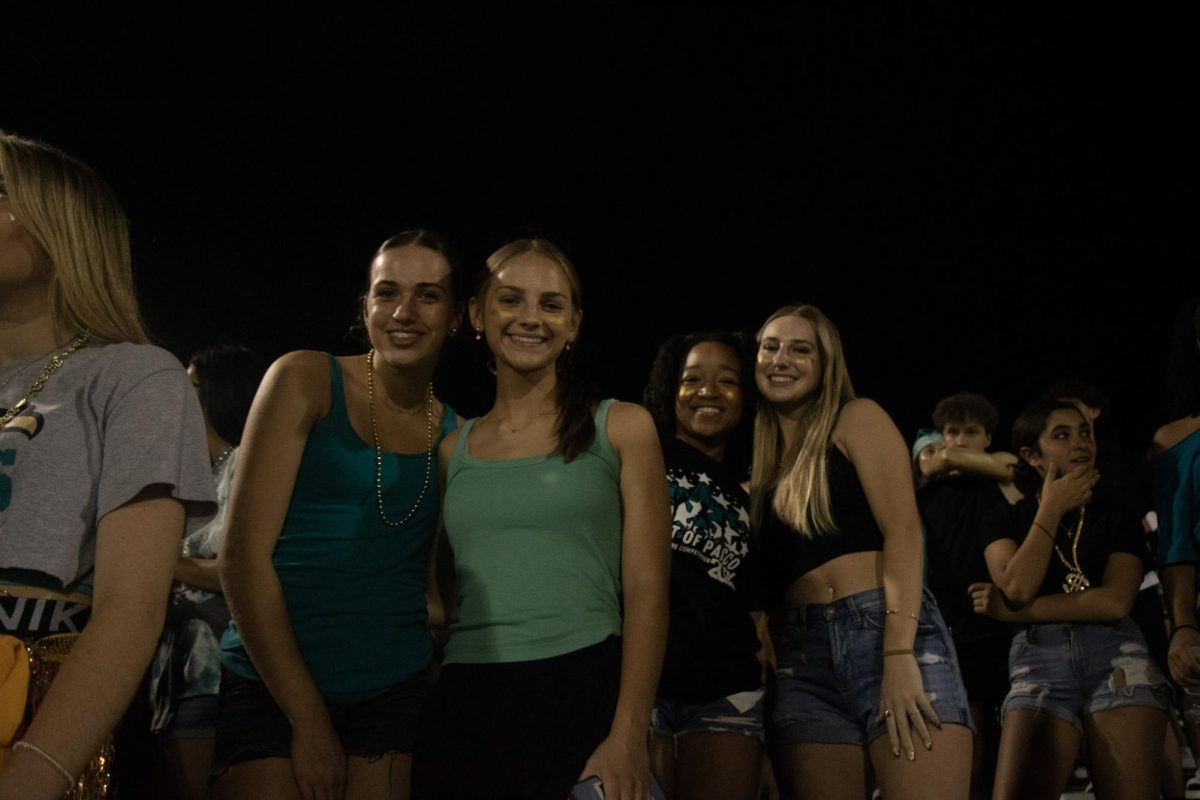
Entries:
{"x":966,"y":407}
{"x":229,"y":375}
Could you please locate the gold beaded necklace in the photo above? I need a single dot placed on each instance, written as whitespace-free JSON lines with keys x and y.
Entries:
{"x":379,"y":453}
{"x":1076,"y":581}
{"x":52,"y":366}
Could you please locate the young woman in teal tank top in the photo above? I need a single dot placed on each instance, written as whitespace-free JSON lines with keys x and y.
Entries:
{"x":556,"y":521}
{"x":330,"y":521}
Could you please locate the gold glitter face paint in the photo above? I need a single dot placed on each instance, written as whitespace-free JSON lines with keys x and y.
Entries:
{"x":787,"y":366}
{"x":765,"y":358}
{"x":708,"y":400}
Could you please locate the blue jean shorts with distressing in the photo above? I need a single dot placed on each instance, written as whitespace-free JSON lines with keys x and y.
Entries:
{"x":740,"y":713}
{"x":1072,"y":670}
{"x":828,"y":683}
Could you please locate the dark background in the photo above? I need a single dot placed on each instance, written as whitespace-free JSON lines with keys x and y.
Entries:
{"x":980,"y":200}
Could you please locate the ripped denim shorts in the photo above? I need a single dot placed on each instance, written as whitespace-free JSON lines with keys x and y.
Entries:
{"x":827,"y":685}
{"x":1072,"y":670}
{"x":740,"y":713}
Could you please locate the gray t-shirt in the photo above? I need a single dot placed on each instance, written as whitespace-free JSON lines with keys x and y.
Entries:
{"x":112,"y":421}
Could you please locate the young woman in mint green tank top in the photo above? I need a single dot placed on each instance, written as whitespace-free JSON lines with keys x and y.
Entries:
{"x":558,"y":540}
{"x":330,"y":522}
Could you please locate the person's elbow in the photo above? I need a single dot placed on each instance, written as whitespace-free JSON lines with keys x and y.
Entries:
{"x":1118,"y":605}
{"x":1018,"y":593}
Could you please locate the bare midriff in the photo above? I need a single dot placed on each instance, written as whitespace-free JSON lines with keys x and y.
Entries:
{"x":841,"y":577}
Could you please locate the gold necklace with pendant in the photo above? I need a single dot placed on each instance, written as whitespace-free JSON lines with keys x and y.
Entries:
{"x":1075,"y":581}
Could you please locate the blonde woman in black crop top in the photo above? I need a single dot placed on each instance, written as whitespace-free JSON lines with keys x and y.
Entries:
{"x":866,"y":668}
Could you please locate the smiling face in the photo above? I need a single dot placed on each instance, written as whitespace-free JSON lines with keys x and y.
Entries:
{"x":1066,"y":440}
{"x":527,"y":313}
{"x":787,"y":370}
{"x":708,"y":403}
{"x":408,"y":307}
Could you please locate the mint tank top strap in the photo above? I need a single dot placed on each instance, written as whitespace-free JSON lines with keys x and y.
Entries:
{"x":601,"y":445}
{"x":460,"y":448}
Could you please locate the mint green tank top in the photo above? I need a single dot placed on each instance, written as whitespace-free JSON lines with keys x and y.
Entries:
{"x":354,"y":587}
{"x":537,"y":547}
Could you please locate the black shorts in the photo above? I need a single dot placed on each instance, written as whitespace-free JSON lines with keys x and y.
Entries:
{"x":250,"y":724}
{"x":522,"y":729}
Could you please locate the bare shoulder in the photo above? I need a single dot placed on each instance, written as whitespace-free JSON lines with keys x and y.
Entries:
{"x":1173,"y":433}
{"x":861,"y":421}
{"x":302,"y":363}
{"x":629,"y":423}
{"x":300,"y":379}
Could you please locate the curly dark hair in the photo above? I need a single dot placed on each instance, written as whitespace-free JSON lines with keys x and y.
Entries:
{"x":965,"y":407}
{"x":663,"y":385}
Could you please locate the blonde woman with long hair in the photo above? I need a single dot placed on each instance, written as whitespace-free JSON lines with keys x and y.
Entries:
{"x":103,"y":466}
{"x":866,"y":669}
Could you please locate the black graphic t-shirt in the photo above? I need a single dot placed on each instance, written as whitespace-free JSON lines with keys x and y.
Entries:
{"x":1108,"y":528}
{"x":711,"y":642}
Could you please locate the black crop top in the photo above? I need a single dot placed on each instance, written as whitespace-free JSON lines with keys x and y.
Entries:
{"x":788,"y":554}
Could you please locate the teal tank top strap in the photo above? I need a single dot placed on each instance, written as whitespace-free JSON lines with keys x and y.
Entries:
{"x":337,"y":394}
{"x":449,"y":421}
{"x":338,"y":415}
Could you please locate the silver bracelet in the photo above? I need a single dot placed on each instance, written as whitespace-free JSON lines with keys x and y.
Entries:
{"x":33,"y":748}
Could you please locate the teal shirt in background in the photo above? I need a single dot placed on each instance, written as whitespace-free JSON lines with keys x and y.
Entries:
{"x":1177,"y":502}
{"x":537,"y":547}
{"x":354,"y":587}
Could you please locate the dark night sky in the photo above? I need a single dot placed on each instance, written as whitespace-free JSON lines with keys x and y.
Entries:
{"x":980,"y":201}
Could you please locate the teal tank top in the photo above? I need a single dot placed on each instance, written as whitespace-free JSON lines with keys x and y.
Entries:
{"x":354,"y":587}
{"x":537,"y":548}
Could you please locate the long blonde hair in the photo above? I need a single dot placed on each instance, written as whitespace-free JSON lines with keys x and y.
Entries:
{"x":73,"y":215}
{"x":798,"y":475}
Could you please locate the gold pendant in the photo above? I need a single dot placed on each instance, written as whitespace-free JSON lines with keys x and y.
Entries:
{"x":1076,"y":582}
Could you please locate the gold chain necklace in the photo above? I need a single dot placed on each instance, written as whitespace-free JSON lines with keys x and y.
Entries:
{"x":1076,"y":581}
{"x":52,"y":366}
{"x":379,"y":453}
{"x":21,"y":368}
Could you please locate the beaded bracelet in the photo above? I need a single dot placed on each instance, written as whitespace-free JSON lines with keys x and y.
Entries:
{"x":33,"y":748}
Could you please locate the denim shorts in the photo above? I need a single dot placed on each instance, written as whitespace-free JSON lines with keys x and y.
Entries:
{"x":1076,"y":669}
{"x":740,"y":713}
{"x":250,"y":725}
{"x":194,"y":718}
{"x":827,"y":686}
